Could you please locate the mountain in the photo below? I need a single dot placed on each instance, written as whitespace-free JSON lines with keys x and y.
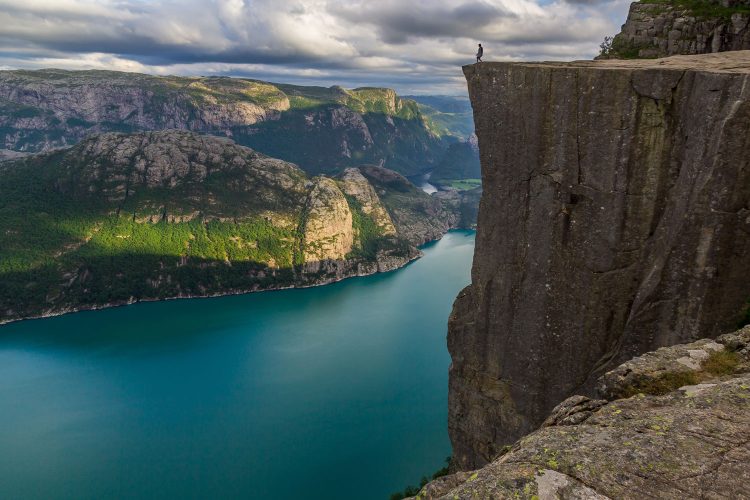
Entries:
{"x":451,"y":115}
{"x":658,"y":28}
{"x":323,"y":130}
{"x":120,"y":218}
{"x":461,"y":161}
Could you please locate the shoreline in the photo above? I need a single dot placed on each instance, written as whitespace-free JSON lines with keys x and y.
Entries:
{"x":226,"y":293}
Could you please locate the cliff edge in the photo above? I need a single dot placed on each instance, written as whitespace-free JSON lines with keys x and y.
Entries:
{"x":670,"y":424}
{"x":615,"y":220}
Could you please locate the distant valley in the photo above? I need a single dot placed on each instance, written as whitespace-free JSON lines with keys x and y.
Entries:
{"x":323,"y":130}
{"x":119,"y":187}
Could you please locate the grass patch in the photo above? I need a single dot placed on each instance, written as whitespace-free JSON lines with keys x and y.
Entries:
{"x":661,"y":385}
{"x":366,"y":231}
{"x":721,"y":363}
{"x":462,"y":184}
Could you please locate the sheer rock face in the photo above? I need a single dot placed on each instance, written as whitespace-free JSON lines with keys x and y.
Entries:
{"x":615,"y":219}
{"x":328,"y":223}
{"x":355,"y":184}
{"x":683,"y":442}
{"x":660,"y":29}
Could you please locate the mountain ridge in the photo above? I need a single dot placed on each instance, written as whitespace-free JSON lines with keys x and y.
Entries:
{"x":324,"y":130}
{"x":120,"y":218}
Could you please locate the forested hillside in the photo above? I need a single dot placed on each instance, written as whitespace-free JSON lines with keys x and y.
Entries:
{"x":126,"y":217}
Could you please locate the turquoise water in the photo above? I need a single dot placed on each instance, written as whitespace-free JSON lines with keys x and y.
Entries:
{"x":330,"y":392}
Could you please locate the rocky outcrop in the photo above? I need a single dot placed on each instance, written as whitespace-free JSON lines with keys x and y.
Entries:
{"x":354,"y":184}
{"x":658,"y":29}
{"x":413,"y":212}
{"x":327,"y":223}
{"x":118,"y":166}
{"x":679,"y":441}
{"x":121,"y":218}
{"x":7,"y":154}
{"x":615,"y":219}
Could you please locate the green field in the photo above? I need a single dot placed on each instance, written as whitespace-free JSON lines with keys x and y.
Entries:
{"x":461,"y":184}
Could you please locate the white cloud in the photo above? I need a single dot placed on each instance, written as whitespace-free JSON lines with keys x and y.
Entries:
{"x":415,"y":46}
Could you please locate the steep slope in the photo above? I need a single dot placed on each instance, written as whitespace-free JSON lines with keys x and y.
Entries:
{"x":658,"y":28}
{"x":614,"y":220}
{"x":450,"y":115}
{"x":681,"y":432}
{"x":125,"y":217}
{"x":417,"y":215}
{"x":461,"y":161}
{"x":320,"y":129}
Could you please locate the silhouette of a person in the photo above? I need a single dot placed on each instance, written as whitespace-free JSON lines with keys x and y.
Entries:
{"x":480,"y":52}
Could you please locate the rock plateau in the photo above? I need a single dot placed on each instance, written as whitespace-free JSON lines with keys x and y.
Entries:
{"x":615,"y":219}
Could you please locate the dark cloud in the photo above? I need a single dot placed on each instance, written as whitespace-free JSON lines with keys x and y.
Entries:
{"x":400,"y":22}
{"x":405,"y":44}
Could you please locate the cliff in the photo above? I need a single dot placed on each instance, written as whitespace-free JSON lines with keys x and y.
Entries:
{"x":670,"y":424}
{"x":421,"y":218}
{"x":615,"y":219}
{"x":323,"y":130}
{"x":658,"y":28}
{"x":120,"y":218}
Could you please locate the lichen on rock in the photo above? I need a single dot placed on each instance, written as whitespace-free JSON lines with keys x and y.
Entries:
{"x":689,"y":442}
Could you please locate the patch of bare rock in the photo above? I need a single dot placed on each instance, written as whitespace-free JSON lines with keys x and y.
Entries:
{"x":672,"y":423}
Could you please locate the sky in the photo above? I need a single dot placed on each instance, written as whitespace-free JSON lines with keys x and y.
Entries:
{"x":414,"y":46}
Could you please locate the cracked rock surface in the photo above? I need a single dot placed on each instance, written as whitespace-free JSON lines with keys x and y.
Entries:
{"x":682,"y":444}
{"x":614,"y":220}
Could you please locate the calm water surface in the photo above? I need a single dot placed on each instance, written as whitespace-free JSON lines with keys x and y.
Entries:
{"x":423,"y":183}
{"x":331,"y":392}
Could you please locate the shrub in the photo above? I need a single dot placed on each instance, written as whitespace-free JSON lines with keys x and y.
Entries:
{"x":606,"y":46}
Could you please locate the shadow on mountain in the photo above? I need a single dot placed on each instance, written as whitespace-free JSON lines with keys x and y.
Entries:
{"x":130,"y":277}
{"x":326,"y":139}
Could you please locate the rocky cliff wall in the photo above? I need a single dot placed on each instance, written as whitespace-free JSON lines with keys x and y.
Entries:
{"x":615,"y":219}
{"x":670,"y":424}
{"x":327,"y":223}
{"x":659,"y":28}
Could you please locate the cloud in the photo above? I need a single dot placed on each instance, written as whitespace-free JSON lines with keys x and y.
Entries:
{"x":415,"y":46}
{"x":399,"y":22}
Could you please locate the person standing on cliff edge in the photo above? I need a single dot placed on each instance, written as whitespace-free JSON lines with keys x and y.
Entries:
{"x":480,"y":52}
